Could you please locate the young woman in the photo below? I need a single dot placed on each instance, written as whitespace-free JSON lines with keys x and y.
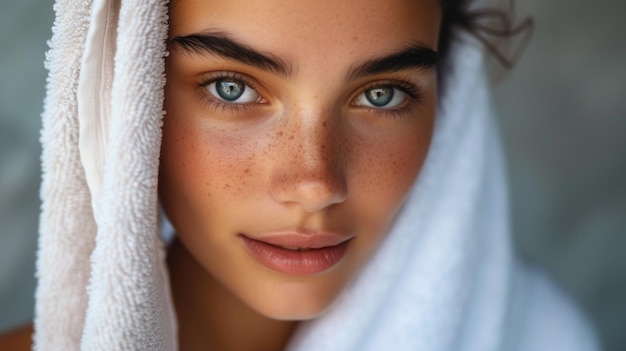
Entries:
{"x":329,"y":168}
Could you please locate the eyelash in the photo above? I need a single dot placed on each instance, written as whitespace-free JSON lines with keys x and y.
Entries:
{"x":217,"y":104}
{"x":413,"y":92}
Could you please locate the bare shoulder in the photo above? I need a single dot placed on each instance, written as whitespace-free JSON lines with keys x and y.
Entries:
{"x":19,"y":339}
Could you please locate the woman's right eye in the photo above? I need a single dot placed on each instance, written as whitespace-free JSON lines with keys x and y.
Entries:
{"x":232,"y":90}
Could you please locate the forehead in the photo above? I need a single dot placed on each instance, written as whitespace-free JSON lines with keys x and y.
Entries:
{"x":309,"y":28}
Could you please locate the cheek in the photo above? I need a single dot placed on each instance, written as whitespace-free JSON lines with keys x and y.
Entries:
{"x":198,"y":160}
{"x":200,"y":172}
{"x":390,"y":169}
{"x":385,"y":168}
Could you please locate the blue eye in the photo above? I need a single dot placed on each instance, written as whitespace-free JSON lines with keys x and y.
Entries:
{"x":383,"y":97}
{"x":232,"y":90}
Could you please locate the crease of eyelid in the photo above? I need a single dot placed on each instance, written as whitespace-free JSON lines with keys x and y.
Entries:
{"x":410,"y":89}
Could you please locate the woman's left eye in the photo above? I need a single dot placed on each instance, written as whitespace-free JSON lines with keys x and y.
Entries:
{"x":382,"y":97}
{"x":232,"y":90}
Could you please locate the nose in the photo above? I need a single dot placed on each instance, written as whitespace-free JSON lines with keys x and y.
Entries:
{"x":312,"y":168}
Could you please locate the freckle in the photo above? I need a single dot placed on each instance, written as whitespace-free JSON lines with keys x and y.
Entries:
{"x":247,"y":171}
{"x":280,"y":134}
{"x":291,"y":137}
{"x":226,"y":186}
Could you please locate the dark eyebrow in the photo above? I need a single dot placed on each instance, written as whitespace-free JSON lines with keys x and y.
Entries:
{"x":219,"y":44}
{"x":417,"y":56}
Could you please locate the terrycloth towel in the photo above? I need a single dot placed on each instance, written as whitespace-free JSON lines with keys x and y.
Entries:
{"x":100,"y":260}
{"x":443,"y":280}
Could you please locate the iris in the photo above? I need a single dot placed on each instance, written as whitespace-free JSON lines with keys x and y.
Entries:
{"x":230,"y":89}
{"x":379,"y":96}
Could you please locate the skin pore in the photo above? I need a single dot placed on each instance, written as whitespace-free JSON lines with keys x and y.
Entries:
{"x":309,"y":118}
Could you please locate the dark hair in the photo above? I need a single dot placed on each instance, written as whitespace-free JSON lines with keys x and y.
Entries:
{"x":488,"y":25}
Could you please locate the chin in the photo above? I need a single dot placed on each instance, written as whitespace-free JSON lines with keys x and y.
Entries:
{"x":299,"y":314}
{"x":299,"y":303}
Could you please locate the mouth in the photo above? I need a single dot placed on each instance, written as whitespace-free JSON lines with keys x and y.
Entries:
{"x":297,"y":253}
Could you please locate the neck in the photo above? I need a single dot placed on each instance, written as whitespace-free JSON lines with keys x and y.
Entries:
{"x":210,"y":317}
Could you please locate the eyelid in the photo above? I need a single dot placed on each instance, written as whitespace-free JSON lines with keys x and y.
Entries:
{"x":411,"y":90}
{"x":215,"y":76}
{"x":209,"y":78}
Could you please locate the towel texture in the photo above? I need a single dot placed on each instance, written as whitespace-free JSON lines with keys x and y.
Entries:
{"x":99,"y":216}
{"x":444,"y":279}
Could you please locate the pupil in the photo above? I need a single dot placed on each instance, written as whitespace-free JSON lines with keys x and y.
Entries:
{"x":379,"y":96}
{"x":230,"y":90}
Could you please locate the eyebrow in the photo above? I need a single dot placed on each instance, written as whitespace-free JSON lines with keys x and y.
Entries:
{"x":220,"y":45}
{"x":416,"y":56}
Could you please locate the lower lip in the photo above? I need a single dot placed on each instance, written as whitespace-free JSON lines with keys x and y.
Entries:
{"x":293,"y":262}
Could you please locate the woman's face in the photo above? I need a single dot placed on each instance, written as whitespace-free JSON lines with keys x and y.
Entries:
{"x":294,"y":130}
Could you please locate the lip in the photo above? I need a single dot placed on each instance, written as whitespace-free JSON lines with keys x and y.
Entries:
{"x":297,"y":253}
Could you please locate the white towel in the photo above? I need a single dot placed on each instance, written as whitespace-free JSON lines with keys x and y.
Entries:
{"x":99,"y":216}
{"x":444,"y":279}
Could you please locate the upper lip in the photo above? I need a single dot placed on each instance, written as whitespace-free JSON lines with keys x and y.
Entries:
{"x":301,"y":239}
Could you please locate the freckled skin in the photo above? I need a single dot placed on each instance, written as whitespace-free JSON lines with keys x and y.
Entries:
{"x":307,"y":159}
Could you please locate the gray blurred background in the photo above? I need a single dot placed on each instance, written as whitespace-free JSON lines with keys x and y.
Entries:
{"x":562,"y":111}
